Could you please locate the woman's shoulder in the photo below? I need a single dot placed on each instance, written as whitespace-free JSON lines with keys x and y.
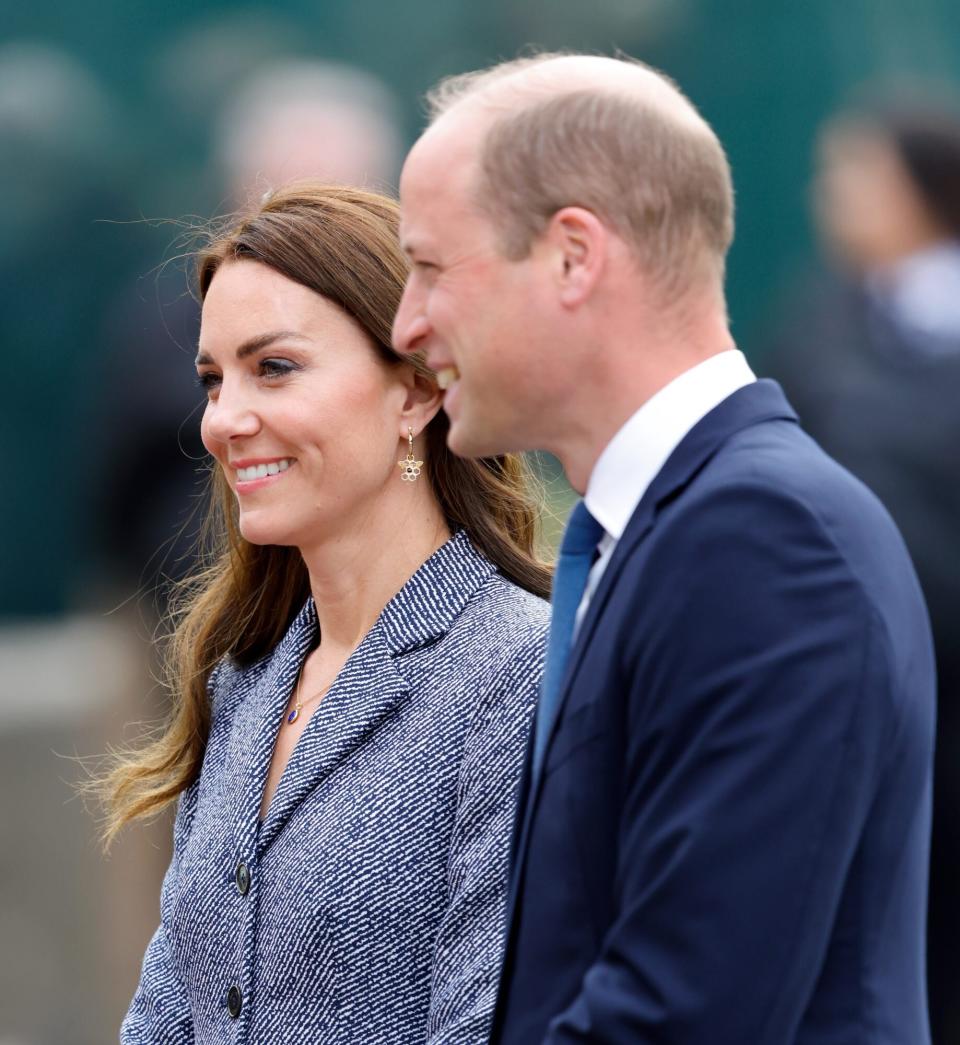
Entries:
{"x":510,"y":618}
{"x":460,"y":593}
{"x":513,"y":603}
{"x":495,"y":649}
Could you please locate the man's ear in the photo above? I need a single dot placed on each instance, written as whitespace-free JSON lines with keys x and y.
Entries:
{"x":423,"y":400}
{"x":579,"y":243}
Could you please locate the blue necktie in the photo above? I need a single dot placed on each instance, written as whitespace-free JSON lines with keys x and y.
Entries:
{"x":577,"y":553}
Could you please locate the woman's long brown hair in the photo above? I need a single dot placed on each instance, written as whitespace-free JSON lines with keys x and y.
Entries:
{"x":341,"y":243}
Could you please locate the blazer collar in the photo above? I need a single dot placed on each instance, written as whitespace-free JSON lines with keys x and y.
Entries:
{"x":432,"y":599}
{"x":368,"y":690}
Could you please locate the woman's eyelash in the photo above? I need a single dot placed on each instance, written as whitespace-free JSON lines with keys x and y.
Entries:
{"x":277,"y":367}
{"x":267,"y":367}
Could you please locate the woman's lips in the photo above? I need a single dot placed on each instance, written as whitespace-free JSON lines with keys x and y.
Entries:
{"x":257,"y":476}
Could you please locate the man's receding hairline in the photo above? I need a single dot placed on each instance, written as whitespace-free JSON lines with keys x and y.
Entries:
{"x":543,"y":82}
{"x":610,"y":132}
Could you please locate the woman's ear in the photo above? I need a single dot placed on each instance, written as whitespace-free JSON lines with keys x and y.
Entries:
{"x":423,"y":400}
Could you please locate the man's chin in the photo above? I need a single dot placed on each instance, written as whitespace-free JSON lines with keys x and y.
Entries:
{"x":467,"y":440}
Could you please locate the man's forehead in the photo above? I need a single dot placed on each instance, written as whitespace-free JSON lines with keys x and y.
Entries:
{"x":450,"y":146}
{"x":438,"y":177}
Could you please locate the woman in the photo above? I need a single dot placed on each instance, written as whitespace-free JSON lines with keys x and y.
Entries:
{"x":354,"y":674}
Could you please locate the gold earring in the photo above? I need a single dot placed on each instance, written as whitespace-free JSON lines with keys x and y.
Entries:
{"x":409,"y":465}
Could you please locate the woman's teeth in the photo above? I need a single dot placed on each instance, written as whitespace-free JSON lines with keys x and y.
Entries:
{"x":260,"y":471}
{"x":447,"y":376}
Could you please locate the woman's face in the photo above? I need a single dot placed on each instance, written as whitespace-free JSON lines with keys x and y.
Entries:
{"x":302,"y":415}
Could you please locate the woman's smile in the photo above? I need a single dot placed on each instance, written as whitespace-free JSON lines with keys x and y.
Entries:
{"x":254,"y":474}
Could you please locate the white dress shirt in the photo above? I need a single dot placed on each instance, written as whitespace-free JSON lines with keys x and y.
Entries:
{"x":631,"y":460}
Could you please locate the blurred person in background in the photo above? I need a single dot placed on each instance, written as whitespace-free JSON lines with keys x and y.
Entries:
{"x":308,"y":119}
{"x":870,"y":356}
{"x":354,"y":671}
{"x":289,"y":119}
{"x":61,"y":168}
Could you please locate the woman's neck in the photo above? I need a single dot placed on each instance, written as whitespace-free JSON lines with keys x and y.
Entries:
{"x":354,"y":574}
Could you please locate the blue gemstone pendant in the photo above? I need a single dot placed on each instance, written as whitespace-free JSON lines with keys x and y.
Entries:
{"x":293,"y":716}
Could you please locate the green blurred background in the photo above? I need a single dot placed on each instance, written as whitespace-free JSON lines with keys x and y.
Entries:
{"x":133,"y":141}
{"x":107,"y":117}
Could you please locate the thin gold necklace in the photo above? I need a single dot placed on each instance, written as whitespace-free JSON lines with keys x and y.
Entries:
{"x":299,"y":703}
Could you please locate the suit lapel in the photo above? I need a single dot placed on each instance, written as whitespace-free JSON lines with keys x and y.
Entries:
{"x":761,"y":401}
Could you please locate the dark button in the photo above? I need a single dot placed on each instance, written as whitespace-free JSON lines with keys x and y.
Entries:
{"x":243,"y":878}
{"x":234,"y":1001}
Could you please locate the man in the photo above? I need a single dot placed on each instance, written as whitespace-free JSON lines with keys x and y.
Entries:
{"x":723,"y":829}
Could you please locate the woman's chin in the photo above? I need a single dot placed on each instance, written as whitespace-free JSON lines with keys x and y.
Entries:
{"x":261,"y":531}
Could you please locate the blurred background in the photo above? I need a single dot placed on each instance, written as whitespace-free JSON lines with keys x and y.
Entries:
{"x":122,"y":124}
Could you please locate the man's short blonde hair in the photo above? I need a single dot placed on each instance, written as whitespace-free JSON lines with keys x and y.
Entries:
{"x":662,"y":183}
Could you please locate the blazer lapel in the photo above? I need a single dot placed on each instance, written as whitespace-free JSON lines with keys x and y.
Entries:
{"x":257,"y":722}
{"x":367,"y":692}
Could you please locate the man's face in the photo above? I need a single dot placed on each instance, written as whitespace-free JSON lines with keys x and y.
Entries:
{"x":479,"y":317}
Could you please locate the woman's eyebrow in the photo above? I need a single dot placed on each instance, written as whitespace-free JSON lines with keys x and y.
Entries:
{"x":254,"y":344}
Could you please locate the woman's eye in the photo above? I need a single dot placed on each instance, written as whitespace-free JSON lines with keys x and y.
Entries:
{"x":276,"y":367}
{"x":208,"y":381}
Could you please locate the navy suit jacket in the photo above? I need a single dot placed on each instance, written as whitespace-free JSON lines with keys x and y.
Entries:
{"x":728,"y":841}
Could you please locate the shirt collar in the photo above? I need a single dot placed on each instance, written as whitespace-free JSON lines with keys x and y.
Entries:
{"x":632,"y":459}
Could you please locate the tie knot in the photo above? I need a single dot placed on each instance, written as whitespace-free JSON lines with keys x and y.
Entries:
{"x":582,"y":533}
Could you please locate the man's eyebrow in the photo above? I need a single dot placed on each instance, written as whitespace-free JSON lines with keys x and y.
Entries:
{"x":254,"y":344}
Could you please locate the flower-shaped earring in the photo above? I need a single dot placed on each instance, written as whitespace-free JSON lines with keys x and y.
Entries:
{"x":410,"y":466}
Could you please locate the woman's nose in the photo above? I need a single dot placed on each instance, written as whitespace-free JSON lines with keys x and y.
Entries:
{"x":229,"y":416}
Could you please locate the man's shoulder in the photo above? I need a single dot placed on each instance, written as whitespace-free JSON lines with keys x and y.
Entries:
{"x":775,"y":464}
{"x":771,"y":503}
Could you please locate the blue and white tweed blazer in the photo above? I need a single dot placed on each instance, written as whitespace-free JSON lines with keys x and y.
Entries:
{"x":368,"y":906}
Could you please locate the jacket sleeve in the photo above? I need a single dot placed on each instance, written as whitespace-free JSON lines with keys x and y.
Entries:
{"x":469,"y":943}
{"x":160,"y":1011}
{"x":756,"y":717}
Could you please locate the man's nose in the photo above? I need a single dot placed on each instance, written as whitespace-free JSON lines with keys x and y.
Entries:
{"x":410,"y":326}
